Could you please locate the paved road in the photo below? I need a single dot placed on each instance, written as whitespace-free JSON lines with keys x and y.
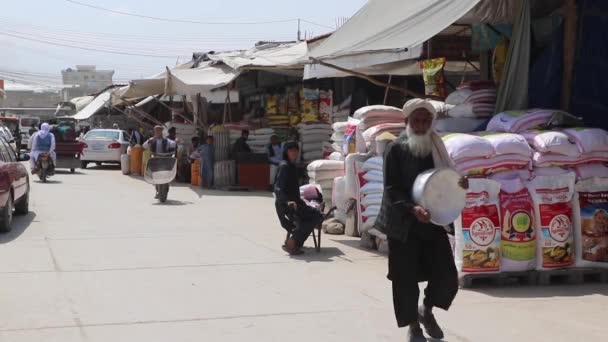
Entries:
{"x":99,"y":260}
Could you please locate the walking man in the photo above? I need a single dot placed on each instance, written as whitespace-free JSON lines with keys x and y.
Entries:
{"x":418,"y":250}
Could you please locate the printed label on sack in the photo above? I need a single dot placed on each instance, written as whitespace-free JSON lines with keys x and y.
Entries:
{"x":557,"y":238}
{"x":518,"y":234}
{"x":594,"y":225}
{"x":481,"y":234}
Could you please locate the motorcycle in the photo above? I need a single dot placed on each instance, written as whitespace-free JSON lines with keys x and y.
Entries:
{"x":45,"y":167}
{"x":160,"y":172}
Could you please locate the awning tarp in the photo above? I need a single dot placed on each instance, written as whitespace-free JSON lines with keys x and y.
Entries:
{"x":382,"y":25}
{"x":201,"y":80}
{"x":138,"y":89}
{"x":266,"y":56}
{"x":95,"y":106}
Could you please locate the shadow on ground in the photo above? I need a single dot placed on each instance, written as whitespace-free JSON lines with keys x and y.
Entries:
{"x":327,"y":254}
{"x":171,"y":202}
{"x":356,"y":244}
{"x":20,"y":224}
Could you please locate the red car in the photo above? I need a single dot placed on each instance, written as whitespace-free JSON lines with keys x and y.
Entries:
{"x":14,"y":186}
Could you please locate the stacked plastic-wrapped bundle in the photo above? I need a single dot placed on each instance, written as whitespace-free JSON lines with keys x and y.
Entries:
{"x":323,"y":173}
{"x":313,"y":137}
{"x":337,"y":138}
{"x":487,"y":152}
{"x":473,"y":100}
{"x":370,"y":116}
{"x":259,"y":139}
{"x":468,"y":108}
{"x":571,"y":147}
{"x":371,"y":188}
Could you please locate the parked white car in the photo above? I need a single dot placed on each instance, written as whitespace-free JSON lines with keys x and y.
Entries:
{"x":104,"y":146}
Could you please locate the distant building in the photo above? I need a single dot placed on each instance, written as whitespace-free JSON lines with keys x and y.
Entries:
{"x":30,"y":96}
{"x":84,"y":80}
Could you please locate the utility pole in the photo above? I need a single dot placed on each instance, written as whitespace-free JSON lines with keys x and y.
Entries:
{"x":299,"y":32}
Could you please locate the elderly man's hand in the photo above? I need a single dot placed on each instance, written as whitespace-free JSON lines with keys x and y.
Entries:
{"x":421,"y":214}
{"x":464,"y":182}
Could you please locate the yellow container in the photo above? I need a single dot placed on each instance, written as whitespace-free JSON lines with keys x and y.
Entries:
{"x":135,"y":160}
{"x":147,"y":154}
{"x":195,"y":178}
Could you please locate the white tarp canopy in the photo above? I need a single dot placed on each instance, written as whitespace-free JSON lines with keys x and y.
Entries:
{"x":389,"y":25}
{"x":81,"y":102}
{"x":202,"y":80}
{"x":266,"y":56}
{"x":138,"y":89}
{"x":95,"y":106}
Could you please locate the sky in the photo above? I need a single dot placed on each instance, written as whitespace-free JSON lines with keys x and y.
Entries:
{"x":39,"y":38}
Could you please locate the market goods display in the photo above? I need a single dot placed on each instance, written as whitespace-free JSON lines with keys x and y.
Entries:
{"x":459,"y":125}
{"x":478,"y":229}
{"x":326,"y":105}
{"x":518,"y":121}
{"x":553,"y":220}
{"x":313,"y":136}
{"x":591,"y":223}
{"x":519,"y":235}
{"x":468,"y":101}
{"x":433,"y":75}
{"x":323,"y":173}
{"x":340,"y":200}
{"x":589,"y":139}
{"x":584,"y":172}
{"x":371,"y":188}
{"x":556,"y":142}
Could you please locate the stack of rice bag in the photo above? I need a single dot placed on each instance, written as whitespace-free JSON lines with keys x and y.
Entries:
{"x":323,"y":173}
{"x":486,"y":153}
{"x":314,"y":136}
{"x":371,"y":189}
{"x":259,"y":139}
{"x":468,"y":108}
{"x":378,"y":119}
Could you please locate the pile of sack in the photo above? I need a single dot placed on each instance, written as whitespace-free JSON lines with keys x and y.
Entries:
{"x":568,"y":148}
{"x":323,"y":173}
{"x":371,"y":188}
{"x":378,"y":119}
{"x":313,"y":136}
{"x":468,"y":108}
{"x":486,"y":153}
{"x":338,"y":137}
{"x":259,"y":139}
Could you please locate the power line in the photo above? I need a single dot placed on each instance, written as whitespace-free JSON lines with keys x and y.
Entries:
{"x":85,"y":48}
{"x":179,"y":20}
{"x":137,"y":38}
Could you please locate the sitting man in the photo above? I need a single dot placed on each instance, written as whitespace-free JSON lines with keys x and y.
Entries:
{"x":43,"y":141}
{"x":295,"y":216}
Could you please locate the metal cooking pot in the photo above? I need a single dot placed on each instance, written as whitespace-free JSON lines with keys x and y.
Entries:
{"x":438,"y":191}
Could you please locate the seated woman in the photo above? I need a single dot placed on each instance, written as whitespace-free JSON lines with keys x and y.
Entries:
{"x":295,"y":215}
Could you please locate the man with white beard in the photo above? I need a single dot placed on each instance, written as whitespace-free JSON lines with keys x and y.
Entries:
{"x":418,"y":250}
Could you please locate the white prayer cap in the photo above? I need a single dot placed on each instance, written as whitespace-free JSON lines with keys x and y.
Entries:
{"x":413,"y":104}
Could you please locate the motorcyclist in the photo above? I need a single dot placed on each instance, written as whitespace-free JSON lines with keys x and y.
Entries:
{"x":43,"y":141}
{"x":159,"y":145}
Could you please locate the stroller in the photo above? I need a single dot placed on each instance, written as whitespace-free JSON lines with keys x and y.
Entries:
{"x":160,"y":172}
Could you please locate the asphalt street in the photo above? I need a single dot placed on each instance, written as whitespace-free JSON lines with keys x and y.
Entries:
{"x":98,"y":259}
